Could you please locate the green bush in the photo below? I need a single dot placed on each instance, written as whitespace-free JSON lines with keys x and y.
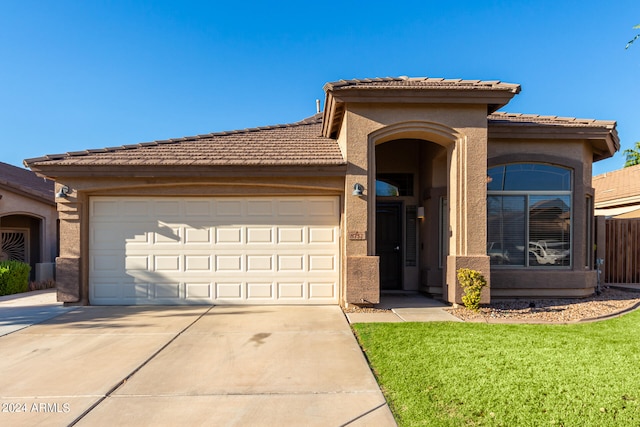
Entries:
{"x":472,"y":282}
{"x":14,"y":277}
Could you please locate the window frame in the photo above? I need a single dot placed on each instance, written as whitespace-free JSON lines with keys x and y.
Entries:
{"x":527,"y":215}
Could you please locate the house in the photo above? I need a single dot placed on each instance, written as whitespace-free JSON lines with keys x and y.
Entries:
{"x":617,"y":193}
{"x":28,"y":220}
{"x":395,"y":186}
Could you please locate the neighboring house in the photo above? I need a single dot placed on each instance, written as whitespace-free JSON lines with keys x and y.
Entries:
{"x":618,"y":193}
{"x":395,"y":186}
{"x":28,"y":220}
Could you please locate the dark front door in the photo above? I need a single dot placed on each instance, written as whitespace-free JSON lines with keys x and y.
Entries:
{"x":389,"y":244}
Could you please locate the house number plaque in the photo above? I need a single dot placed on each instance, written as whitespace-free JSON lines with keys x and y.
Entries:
{"x":357,"y":235}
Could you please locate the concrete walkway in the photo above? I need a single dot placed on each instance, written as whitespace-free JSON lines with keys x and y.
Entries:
{"x":165,"y":366}
{"x":405,"y":307}
{"x":22,"y":310}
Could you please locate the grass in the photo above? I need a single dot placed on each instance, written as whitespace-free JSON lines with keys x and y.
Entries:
{"x":472,"y":374}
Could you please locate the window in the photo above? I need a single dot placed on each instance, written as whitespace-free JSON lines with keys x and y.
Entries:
{"x":529,"y":215}
{"x":394,"y":184}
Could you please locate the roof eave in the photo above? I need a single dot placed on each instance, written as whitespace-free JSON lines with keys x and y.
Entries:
{"x":604,"y":139}
{"x":28,"y":192}
{"x":337,"y":99}
{"x":57,"y":172}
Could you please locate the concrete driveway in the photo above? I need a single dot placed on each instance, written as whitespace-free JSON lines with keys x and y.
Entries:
{"x":223,"y":366}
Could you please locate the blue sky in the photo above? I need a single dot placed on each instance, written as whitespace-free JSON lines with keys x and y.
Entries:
{"x":92,"y":74}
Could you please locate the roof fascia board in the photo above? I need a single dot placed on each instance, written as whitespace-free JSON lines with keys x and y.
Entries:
{"x":69,"y":171}
{"x":26,"y":192}
{"x":620,"y":201}
{"x":496,"y":98}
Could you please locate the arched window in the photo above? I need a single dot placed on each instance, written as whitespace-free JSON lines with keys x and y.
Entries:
{"x":529,"y":215}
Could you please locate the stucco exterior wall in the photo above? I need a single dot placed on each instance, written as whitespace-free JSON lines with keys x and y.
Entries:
{"x":579,"y":280}
{"x":13,"y":203}
{"x":462,"y":131}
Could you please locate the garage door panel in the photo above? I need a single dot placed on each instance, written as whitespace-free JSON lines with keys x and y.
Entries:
{"x":259,"y":263}
{"x":197,"y":236}
{"x":291,"y":263}
{"x":260,"y":208}
{"x":166,"y":290}
{"x":198,"y":291}
{"x":214,"y":250}
{"x":229,"y":208}
{"x":228,"y":235}
{"x":260,"y":290}
{"x":321,"y":235}
{"x":197,"y":263}
{"x":229,"y":291}
{"x":167,"y":263}
{"x":321,"y":290}
{"x":198,"y":208}
{"x":322,"y":263}
{"x":135,"y":208}
{"x":293,"y":235}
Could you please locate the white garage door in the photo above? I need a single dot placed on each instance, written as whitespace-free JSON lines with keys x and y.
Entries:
{"x":254,"y":250}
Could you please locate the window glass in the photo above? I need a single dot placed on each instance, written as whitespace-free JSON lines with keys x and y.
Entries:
{"x":549,"y":230}
{"x":385,"y":189}
{"x":528,"y":177}
{"x":506,"y":230}
{"x":394,"y":184}
{"x":525,"y":226}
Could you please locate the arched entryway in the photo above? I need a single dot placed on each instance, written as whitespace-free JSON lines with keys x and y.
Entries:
{"x":21,"y":239}
{"x":440,"y":223}
{"x":411,"y":177}
{"x":411,"y":192}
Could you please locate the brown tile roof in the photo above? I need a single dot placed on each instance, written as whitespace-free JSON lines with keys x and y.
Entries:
{"x":298,"y":143}
{"x":25,"y":181}
{"x":619,"y":187}
{"x":534,"y":119}
{"x":422,"y":83}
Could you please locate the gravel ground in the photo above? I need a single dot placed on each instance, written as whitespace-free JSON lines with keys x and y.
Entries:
{"x":609,"y":302}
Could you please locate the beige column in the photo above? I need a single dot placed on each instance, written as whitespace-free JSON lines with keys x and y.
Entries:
{"x":468,"y":211}
{"x":362,"y":269}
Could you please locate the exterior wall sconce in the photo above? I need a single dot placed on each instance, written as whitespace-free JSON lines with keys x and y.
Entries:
{"x":63,"y":193}
{"x":357,"y":189}
{"x":420,"y":213}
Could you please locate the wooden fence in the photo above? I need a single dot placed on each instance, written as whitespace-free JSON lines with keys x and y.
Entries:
{"x":622,"y":257}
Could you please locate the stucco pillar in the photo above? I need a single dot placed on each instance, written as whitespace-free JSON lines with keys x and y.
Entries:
{"x":468,"y":211}
{"x":68,"y":277}
{"x":362,"y":269}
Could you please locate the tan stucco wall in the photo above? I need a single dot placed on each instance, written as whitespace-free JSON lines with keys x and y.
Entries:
{"x":462,"y":130}
{"x":574,"y":281}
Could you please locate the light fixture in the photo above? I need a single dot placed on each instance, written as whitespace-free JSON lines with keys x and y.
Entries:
{"x":63,"y":193}
{"x":357,"y":189}
{"x":420,"y":214}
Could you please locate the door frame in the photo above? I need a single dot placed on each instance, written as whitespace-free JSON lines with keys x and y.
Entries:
{"x":400,"y":206}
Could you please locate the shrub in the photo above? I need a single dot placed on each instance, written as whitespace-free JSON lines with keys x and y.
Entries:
{"x":472,"y":282}
{"x":14,"y":277}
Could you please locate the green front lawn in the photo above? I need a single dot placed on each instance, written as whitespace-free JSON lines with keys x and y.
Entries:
{"x":472,"y":374}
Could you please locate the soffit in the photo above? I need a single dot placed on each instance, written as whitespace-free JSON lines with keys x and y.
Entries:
{"x":602,"y":134}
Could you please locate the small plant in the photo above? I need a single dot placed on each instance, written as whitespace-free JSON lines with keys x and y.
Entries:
{"x":14,"y":277}
{"x":472,"y":282}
